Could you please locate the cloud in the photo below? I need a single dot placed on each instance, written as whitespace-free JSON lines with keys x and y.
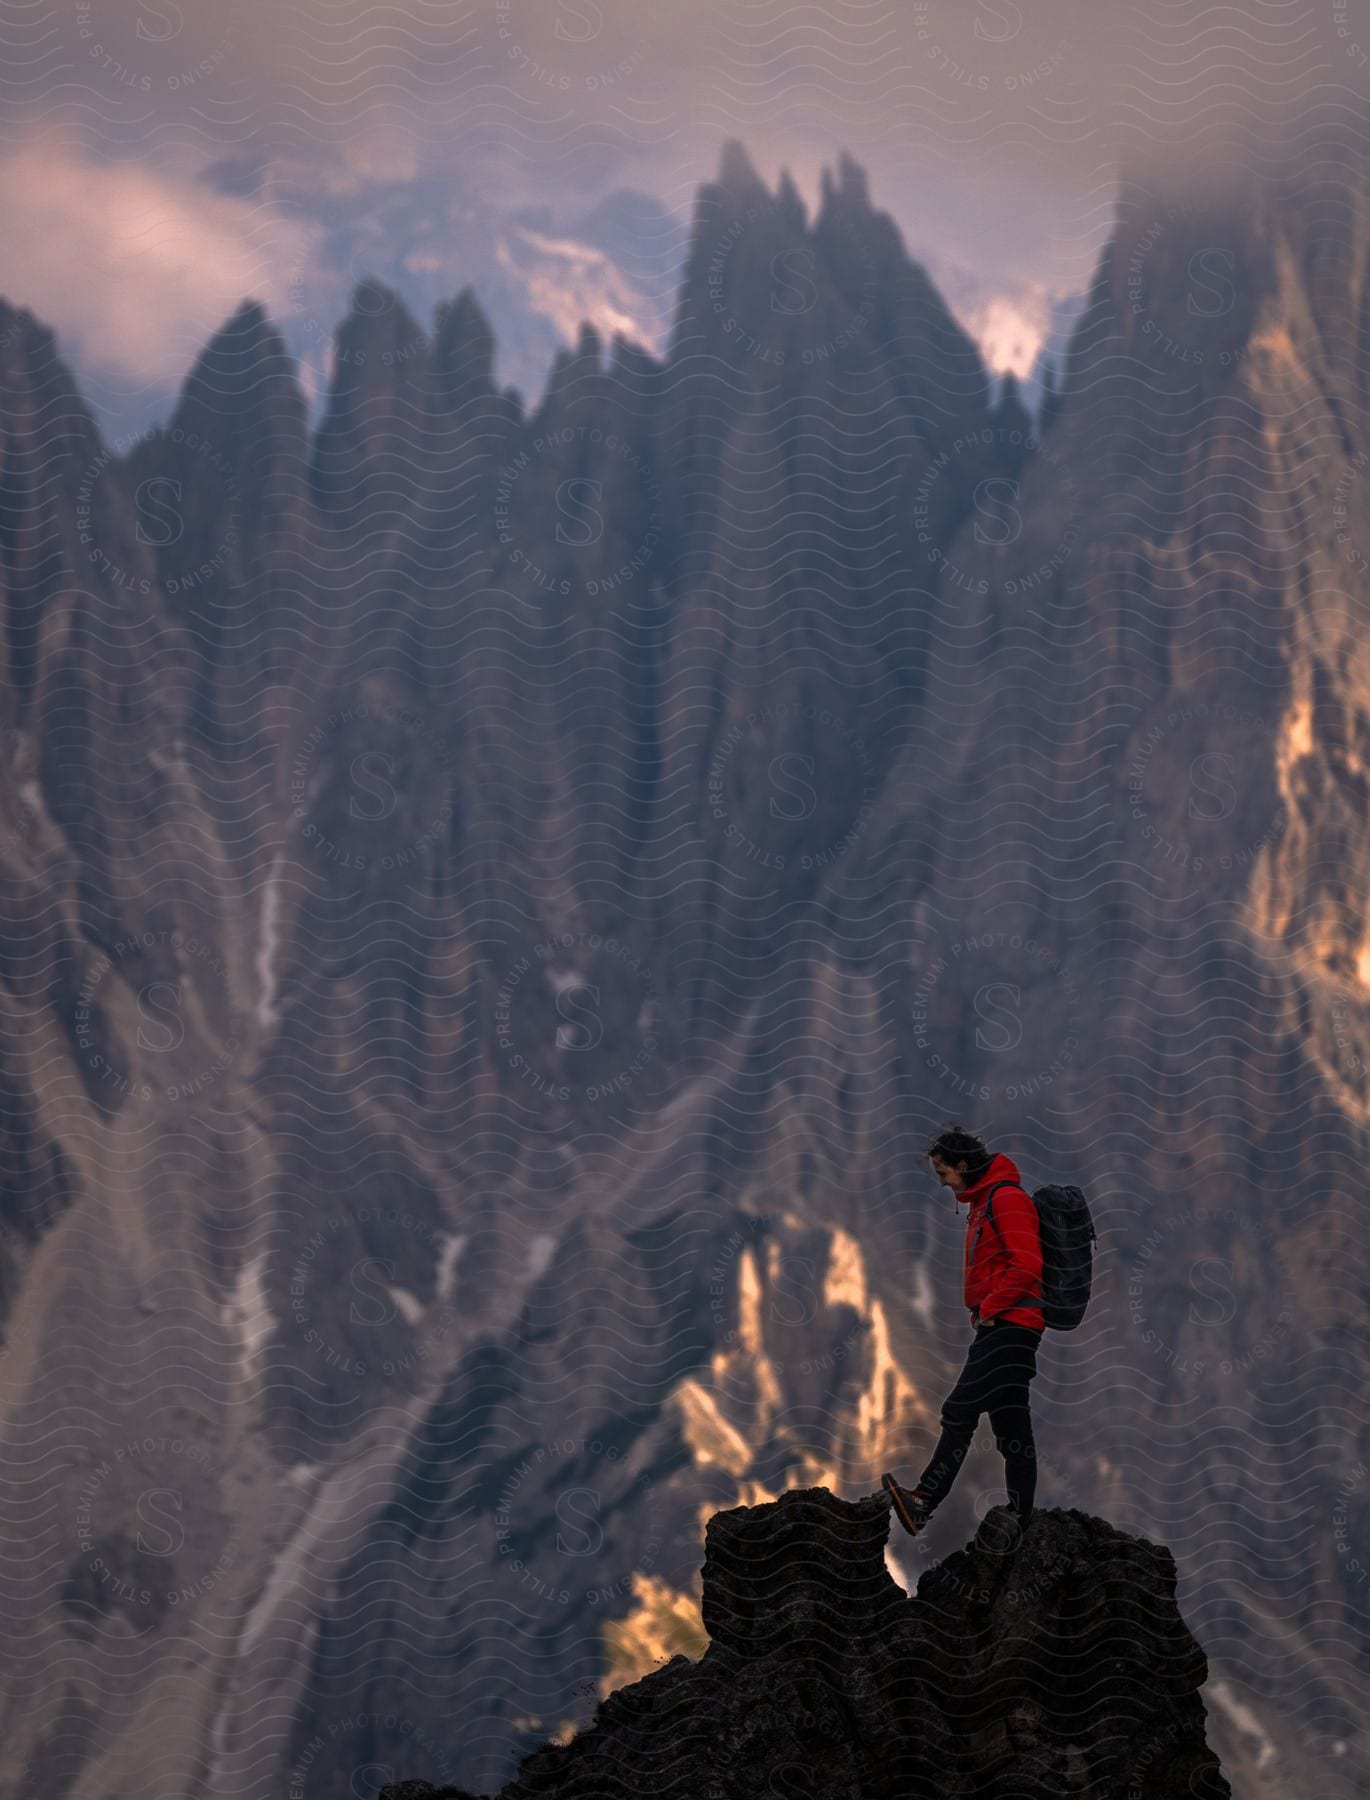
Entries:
{"x":998,"y":134}
{"x":133,"y":267}
{"x":568,"y":282}
{"x":1011,"y":329}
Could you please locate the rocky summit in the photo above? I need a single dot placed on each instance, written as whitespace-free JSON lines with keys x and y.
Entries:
{"x":1028,"y":1666}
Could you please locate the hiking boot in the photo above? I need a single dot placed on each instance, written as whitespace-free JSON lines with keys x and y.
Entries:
{"x":910,"y":1508}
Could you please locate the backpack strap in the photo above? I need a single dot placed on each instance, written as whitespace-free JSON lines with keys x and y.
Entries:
{"x":1028,"y":1300}
{"x":988,"y":1218}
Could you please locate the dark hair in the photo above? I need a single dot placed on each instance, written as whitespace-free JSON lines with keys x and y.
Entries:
{"x":953,"y":1144}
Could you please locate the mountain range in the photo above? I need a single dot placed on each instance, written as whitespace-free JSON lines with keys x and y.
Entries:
{"x":497,"y":902}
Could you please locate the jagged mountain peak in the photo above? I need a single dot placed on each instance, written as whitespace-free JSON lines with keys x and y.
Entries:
{"x":788,"y":196}
{"x":239,"y":432}
{"x":574,"y":362}
{"x":737,"y":170}
{"x":245,"y":352}
{"x":379,"y":349}
{"x":463,"y":316}
{"x":19,"y":325}
{"x":851,"y":183}
{"x":463,"y":342}
{"x":378,"y":329}
{"x":30,"y":359}
{"x":249,"y":320}
{"x":371,"y":297}
{"x":629,"y":358}
{"x":1010,"y":414}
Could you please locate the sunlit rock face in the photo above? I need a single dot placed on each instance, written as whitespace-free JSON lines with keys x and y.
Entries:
{"x":496,"y":904}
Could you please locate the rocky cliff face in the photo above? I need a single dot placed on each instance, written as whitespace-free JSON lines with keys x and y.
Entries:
{"x":495,"y":905}
{"x":1049,"y":1663}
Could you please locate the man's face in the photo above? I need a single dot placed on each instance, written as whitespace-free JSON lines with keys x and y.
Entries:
{"x":955,"y":1179}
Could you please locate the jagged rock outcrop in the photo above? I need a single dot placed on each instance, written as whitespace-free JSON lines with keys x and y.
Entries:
{"x":1039,"y":1665}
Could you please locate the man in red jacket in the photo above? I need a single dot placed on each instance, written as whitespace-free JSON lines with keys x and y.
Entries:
{"x":1002,"y":1286}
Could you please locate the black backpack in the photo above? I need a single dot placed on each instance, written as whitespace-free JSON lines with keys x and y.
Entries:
{"x":1067,"y":1234}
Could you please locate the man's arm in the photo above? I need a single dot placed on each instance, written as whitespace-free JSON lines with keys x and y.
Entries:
{"x":1015,"y":1219}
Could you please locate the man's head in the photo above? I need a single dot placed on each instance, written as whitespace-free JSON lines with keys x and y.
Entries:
{"x":951,"y":1175}
{"x":958,"y":1158}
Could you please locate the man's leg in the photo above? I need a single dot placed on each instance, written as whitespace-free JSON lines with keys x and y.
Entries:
{"x":960,"y":1414}
{"x":1010,"y":1416}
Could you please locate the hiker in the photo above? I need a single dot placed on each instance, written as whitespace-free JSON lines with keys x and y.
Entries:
{"x":1003,"y":1289}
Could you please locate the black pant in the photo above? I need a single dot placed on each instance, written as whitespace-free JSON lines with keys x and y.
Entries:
{"x":1001,"y":1362}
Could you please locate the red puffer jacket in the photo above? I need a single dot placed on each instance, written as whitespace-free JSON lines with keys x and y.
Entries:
{"x":1006,"y":1263}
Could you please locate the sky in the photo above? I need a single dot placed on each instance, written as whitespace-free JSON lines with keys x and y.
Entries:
{"x":161,"y":160}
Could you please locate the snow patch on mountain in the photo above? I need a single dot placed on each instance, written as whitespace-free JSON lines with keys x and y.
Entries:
{"x":539,"y":1255}
{"x":248,"y":1313}
{"x":411,"y":1308}
{"x":268,"y":1012}
{"x":568,"y":283}
{"x":453,"y":1243}
{"x":1244,"y":1719}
